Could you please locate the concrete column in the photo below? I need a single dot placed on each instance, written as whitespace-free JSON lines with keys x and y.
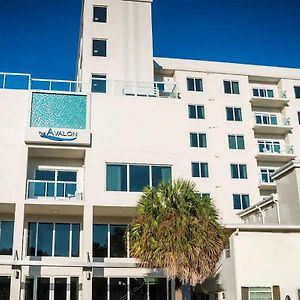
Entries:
{"x":17,"y":250}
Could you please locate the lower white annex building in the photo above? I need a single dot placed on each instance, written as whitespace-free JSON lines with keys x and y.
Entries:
{"x":76,"y":155}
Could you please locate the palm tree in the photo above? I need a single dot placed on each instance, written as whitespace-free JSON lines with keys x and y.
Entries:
{"x":177,"y":230}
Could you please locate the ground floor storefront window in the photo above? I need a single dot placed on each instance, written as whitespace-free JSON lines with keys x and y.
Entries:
{"x":130,"y":289}
{"x":4,"y":287}
{"x":51,"y":288}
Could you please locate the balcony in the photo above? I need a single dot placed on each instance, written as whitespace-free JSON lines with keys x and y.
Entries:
{"x":270,"y":124}
{"x":262,"y":97}
{"x":54,"y":190}
{"x":101,"y":85}
{"x":267,"y":186}
{"x":274,"y":151}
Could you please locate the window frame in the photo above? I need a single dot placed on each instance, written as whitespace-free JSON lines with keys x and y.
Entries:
{"x":200,"y":165}
{"x":236,"y":141}
{"x":260,"y":290}
{"x":239,"y":167}
{"x":241,"y":200}
{"x":199,"y":136}
{"x":94,"y":41}
{"x":53,"y":242}
{"x":234,"y":110}
{"x":150,"y":166}
{"x":263,"y":92}
{"x":267,"y":171}
{"x":231,"y":90}
{"x":12,"y":240}
{"x":100,"y":78}
{"x":109,"y":240}
{"x":297,"y":91}
{"x":195,"y":86}
{"x":106,"y":15}
{"x":197,"y":107}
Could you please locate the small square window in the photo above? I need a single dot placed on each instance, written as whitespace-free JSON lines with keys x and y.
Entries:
{"x":99,"y":48}
{"x":297,"y":92}
{"x":100,"y":14}
{"x":231,"y":87}
{"x":233,"y":114}
{"x":194,"y":84}
{"x":298,"y":117}
{"x":98,"y":84}
{"x":200,"y":170}
{"x":196,"y":112}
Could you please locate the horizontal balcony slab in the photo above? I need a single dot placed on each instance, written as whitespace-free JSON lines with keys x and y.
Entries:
{"x":265,"y":186}
{"x":114,"y":211}
{"x":274,"y":157}
{"x":272,"y":129}
{"x":54,"y":208}
{"x":53,"y":151}
{"x":269,"y":102}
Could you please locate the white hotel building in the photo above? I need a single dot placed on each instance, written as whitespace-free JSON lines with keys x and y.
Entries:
{"x":75,"y":157}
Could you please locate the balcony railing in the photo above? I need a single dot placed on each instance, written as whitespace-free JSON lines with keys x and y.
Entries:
{"x":97,"y":85}
{"x":274,"y":148}
{"x":53,"y":189}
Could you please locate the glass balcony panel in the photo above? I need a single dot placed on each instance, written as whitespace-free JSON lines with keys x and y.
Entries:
{"x":50,"y":189}
{"x":39,"y":189}
{"x":70,"y":189}
{"x":60,"y":190}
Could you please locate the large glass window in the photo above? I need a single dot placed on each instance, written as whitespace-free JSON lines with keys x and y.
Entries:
{"x":99,"y":289}
{"x":241,"y":201}
{"x":99,"y":48}
{"x":98,"y":84}
{"x":43,"y":288}
{"x":265,"y":175}
{"x":233,"y":114}
{"x":138,"y":289}
{"x":4,"y":288}
{"x":200,"y":169}
{"x":100,"y":14}
{"x":196,"y":112}
{"x":194,"y":84}
{"x":42,"y":243}
{"x":29,"y":288}
{"x":198,"y":140}
{"x":116,"y":177}
{"x":231,"y":87}
{"x":74,"y":291}
{"x":297,"y":92}
{"x":266,"y":119}
{"x":236,"y":142}
{"x":140,"y":176}
{"x":238,"y":171}
{"x":118,"y":288}
{"x":118,"y":241}
{"x":100,"y":240}
{"x":6,"y":237}
{"x":158,"y":288}
{"x":265,"y":146}
{"x":263,"y":93}
{"x":161,"y":174}
{"x":60,"y":288}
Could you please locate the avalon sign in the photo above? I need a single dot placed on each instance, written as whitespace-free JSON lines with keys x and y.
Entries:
{"x":59,"y":135}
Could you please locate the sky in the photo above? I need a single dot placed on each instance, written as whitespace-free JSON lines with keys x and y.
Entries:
{"x":40,"y":37}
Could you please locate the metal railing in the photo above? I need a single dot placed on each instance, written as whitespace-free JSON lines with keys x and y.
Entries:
{"x":97,"y":85}
{"x":271,"y":120}
{"x":271,"y":148}
{"x":53,"y":189}
{"x":264,"y":95}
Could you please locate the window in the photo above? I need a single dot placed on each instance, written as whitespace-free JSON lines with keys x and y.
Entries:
{"x":98,"y":84}
{"x":265,"y":146}
{"x":263,"y":93}
{"x":265,"y":175}
{"x":233,"y":114}
{"x":4,"y":287}
{"x":238,"y":171}
{"x":260,"y":293}
{"x":139,"y":177}
{"x":99,"y":48}
{"x":266,"y":119}
{"x":241,"y":201}
{"x":231,"y":87}
{"x":100,"y":14}
{"x":236,"y":142}
{"x":198,"y":140}
{"x":298,"y":117}
{"x":6,"y":237}
{"x":109,"y":240}
{"x":53,"y":239}
{"x":196,"y":112}
{"x":194,"y":84}
{"x":53,"y":183}
{"x":99,"y":289}
{"x":297,"y":92}
{"x":200,"y":169}
{"x":204,"y":195}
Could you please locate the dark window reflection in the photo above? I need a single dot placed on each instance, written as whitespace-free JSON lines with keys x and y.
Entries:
{"x":118,"y":288}
{"x":60,"y":289}
{"x":4,"y":288}
{"x":99,"y":290}
{"x":43,"y":286}
{"x":118,"y":247}
{"x":100,"y":240}
{"x":138,"y":289}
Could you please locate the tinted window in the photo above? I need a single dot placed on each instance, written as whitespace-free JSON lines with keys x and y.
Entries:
{"x":100,"y":240}
{"x":118,"y":241}
{"x":43,"y":287}
{"x":66,"y":176}
{"x":4,"y":287}
{"x":99,"y":289}
{"x":29,"y":288}
{"x":74,"y":293}
{"x":44,"y":243}
{"x":60,"y":288}
{"x":227,"y":87}
{"x":195,"y":170}
{"x":45,"y":175}
{"x":158,"y":288}
{"x":31,"y":239}
{"x":100,"y":14}
{"x":99,"y":48}
{"x":98,"y":84}
{"x":118,"y":288}
{"x":6,"y":237}
{"x":138,"y":289}
{"x":160,"y":174}
{"x":116,"y":178}
{"x":62,"y":239}
{"x":297,"y":91}
{"x":75,"y":239}
{"x":192,"y":112}
{"x":139,"y":177}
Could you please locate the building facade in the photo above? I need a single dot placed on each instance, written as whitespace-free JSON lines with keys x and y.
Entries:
{"x":76,"y":155}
